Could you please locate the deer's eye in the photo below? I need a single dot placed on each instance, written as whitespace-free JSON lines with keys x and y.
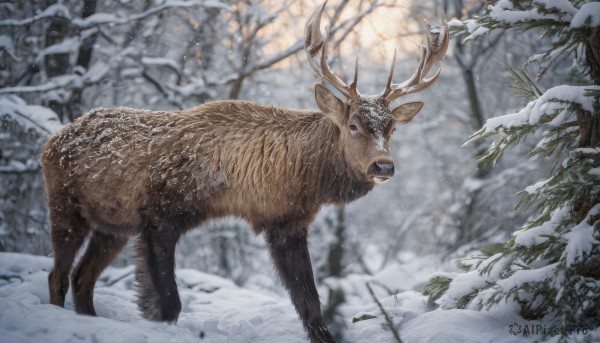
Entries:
{"x":391,"y":130}
{"x":353,"y":128}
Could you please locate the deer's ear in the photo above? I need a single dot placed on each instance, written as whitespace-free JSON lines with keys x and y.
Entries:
{"x":329,"y":104}
{"x":406,"y":112}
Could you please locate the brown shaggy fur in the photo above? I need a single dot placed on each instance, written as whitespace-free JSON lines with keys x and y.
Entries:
{"x":119,"y":172}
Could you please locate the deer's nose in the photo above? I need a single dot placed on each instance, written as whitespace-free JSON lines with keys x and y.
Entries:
{"x":383,"y":168}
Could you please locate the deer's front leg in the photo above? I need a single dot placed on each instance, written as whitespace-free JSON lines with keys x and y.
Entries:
{"x":290,"y":255}
{"x":155,"y":274}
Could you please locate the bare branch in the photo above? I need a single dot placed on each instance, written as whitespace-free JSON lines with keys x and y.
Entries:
{"x":299,"y":45}
{"x":160,"y":88}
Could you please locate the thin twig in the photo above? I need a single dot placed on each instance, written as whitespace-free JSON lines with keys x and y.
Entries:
{"x":113,"y":282}
{"x":385,"y":314}
{"x":8,"y":170}
{"x":162,"y":89}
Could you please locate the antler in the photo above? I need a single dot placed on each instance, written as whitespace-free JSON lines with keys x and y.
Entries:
{"x":433,"y":51}
{"x":313,"y":44}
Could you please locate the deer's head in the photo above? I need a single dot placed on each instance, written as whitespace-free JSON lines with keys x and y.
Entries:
{"x":366,"y":123}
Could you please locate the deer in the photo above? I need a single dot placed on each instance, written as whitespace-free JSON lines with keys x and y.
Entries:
{"x":120,"y":172}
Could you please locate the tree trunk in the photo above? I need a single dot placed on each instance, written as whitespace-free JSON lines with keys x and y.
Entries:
{"x":592,"y":54}
{"x":589,"y":123}
{"x":83,"y":60}
{"x":56,"y":64}
{"x":236,"y":87}
{"x":86,"y":47}
{"x":336,"y":252}
{"x":467,"y":218}
{"x":473,"y":95}
{"x":334,"y":265}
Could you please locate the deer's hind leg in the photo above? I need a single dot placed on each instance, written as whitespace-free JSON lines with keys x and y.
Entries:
{"x":68,"y":231}
{"x":101,"y":251}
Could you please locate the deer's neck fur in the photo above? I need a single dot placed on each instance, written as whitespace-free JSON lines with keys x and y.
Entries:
{"x":277,"y":156}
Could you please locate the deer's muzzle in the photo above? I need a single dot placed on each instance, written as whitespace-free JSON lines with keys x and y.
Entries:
{"x":382,"y":170}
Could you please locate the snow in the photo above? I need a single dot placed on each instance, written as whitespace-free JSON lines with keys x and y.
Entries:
{"x":462,"y":326}
{"x":589,"y":11}
{"x":475,"y":29}
{"x":60,"y":10}
{"x":559,"y":11}
{"x":375,"y":116}
{"x":35,"y":117}
{"x":96,"y":72}
{"x":547,"y":104}
{"x":504,"y":12}
{"x":455,"y":23}
{"x":461,"y":285}
{"x":534,"y":189}
{"x":536,"y":235}
{"x":216,"y":310}
{"x":560,"y":119}
{"x":56,"y":10}
{"x":14,"y":166}
{"x":520,"y":277}
{"x":95,"y":19}
{"x":58,"y":84}
{"x":564,"y":6}
{"x":7,"y":45}
{"x":212,"y":307}
{"x":580,"y":240}
{"x":69,"y":45}
{"x":511,"y":17}
{"x":161,"y":61}
{"x":379,"y":141}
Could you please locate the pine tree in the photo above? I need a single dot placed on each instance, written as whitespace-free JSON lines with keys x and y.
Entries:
{"x":550,"y":268}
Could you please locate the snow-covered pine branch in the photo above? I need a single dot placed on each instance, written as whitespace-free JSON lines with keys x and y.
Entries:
{"x":556,"y":18}
{"x":555,"y":108}
{"x":549,"y":268}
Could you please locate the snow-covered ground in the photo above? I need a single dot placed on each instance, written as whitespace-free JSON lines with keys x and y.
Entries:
{"x":216,"y":310}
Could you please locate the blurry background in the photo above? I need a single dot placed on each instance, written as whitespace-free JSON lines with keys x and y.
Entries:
{"x":59,"y":59}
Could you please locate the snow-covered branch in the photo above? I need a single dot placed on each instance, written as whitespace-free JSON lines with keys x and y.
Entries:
{"x":39,"y":118}
{"x":98,"y":19}
{"x":553,"y":100}
{"x":505,"y":14}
